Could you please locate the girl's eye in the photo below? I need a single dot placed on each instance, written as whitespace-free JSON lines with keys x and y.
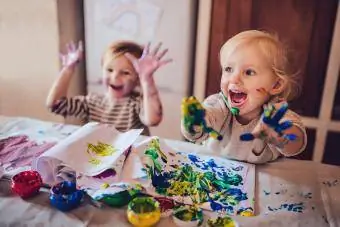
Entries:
{"x":110,"y":70}
{"x":126,"y":73}
{"x":228,"y":69}
{"x":250,"y":72}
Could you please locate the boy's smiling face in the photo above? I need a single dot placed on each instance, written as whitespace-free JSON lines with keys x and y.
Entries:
{"x":119,"y":76}
{"x":248,"y":80}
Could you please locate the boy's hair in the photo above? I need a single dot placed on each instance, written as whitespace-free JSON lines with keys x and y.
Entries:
{"x":275,"y":52}
{"x":119,"y":48}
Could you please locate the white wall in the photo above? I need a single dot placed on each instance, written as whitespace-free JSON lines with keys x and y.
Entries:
{"x":29,"y":55}
{"x":175,"y":25}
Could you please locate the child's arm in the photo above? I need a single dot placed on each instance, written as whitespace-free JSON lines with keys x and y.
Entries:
{"x":57,"y":101}
{"x":60,"y":86}
{"x":151,"y":111}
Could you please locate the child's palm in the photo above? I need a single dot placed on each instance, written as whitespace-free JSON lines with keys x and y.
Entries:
{"x":149,"y":62}
{"x":73,"y":55}
{"x":147,"y":65}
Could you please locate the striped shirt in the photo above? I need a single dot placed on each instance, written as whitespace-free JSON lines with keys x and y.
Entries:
{"x":123,"y":113}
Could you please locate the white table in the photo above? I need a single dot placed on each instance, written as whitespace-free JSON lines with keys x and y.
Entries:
{"x":313,"y":187}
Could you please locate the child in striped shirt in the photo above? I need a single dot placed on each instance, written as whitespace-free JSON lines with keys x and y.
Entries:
{"x":131,"y":100}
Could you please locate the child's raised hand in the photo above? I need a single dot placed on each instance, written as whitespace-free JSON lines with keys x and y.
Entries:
{"x":149,"y":62}
{"x":73,"y":55}
{"x":269,"y":128}
{"x":193,"y":116}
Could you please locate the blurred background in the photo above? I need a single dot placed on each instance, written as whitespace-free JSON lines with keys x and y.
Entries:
{"x":34,"y":32}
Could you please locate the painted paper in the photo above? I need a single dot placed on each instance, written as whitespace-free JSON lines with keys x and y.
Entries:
{"x":92,"y":149}
{"x":213,"y":183}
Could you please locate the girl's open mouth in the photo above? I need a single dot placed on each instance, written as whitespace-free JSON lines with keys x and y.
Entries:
{"x":117,"y":88}
{"x":237,"y":98}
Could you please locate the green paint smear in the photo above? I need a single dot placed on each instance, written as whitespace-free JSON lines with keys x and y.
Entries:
{"x":185,"y":181}
{"x":221,"y":222}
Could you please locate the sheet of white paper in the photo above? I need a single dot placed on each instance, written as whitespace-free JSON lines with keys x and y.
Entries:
{"x":73,"y":150}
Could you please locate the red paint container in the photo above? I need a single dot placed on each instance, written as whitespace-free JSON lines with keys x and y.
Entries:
{"x":26,"y":183}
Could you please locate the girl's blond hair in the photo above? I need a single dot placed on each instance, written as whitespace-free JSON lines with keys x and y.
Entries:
{"x":119,"y":48}
{"x":275,"y":52}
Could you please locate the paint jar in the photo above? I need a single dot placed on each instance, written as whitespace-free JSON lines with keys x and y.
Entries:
{"x":188,"y":216}
{"x":225,"y":221}
{"x":26,"y":183}
{"x":143,"y":212}
{"x":65,"y":196}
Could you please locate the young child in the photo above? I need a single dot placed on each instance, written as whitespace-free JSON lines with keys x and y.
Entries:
{"x":255,"y":78}
{"x":126,"y":68}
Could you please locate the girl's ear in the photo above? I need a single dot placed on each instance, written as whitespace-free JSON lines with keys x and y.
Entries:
{"x":278,"y":87}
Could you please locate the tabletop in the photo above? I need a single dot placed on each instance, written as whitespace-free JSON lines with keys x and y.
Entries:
{"x":288,"y":192}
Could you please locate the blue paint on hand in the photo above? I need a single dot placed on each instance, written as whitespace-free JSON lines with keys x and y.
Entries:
{"x":247,"y":137}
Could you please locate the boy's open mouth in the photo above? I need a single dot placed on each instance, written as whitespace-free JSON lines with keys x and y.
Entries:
{"x":237,"y":98}
{"x":116,"y":87}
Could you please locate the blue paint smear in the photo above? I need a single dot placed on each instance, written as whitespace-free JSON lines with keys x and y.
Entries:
{"x":237,"y":168}
{"x":294,"y":207}
{"x":161,"y":180}
{"x":237,"y":194}
{"x":210,"y":164}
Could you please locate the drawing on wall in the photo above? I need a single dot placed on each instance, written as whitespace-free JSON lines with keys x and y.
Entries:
{"x":130,"y":17}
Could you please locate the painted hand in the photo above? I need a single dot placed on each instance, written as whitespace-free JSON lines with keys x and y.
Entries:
{"x":269,"y":128}
{"x":149,"y":62}
{"x":73,"y":55}
{"x":193,"y":115}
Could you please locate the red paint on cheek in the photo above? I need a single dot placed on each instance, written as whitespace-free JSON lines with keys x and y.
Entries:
{"x":262,"y":90}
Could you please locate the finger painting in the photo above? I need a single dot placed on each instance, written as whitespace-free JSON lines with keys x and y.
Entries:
{"x":212,"y":183}
{"x":93,"y":149}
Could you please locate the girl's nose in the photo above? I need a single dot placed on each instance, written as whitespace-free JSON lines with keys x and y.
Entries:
{"x":235,"y":77}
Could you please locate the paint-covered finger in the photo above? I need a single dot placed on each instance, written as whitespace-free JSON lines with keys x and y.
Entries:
{"x":146,"y":49}
{"x":280,"y":112}
{"x":268,"y":110}
{"x":290,"y":137}
{"x":285,"y":125}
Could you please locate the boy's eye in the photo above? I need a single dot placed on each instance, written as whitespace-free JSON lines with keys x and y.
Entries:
{"x":228,"y":69}
{"x":110,"y":70}
{"x":250,"y":72}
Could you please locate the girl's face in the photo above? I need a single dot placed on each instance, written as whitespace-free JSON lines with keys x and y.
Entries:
{"x":247,"y":80}
{"x":119,"y":76}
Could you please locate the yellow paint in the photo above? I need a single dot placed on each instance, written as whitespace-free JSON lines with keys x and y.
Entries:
{"x":94,"y":161}
{"x":105,"y":185}
{"x":247,"y":213}
{"x":101,"y":149}
{"x":144,"y":220}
